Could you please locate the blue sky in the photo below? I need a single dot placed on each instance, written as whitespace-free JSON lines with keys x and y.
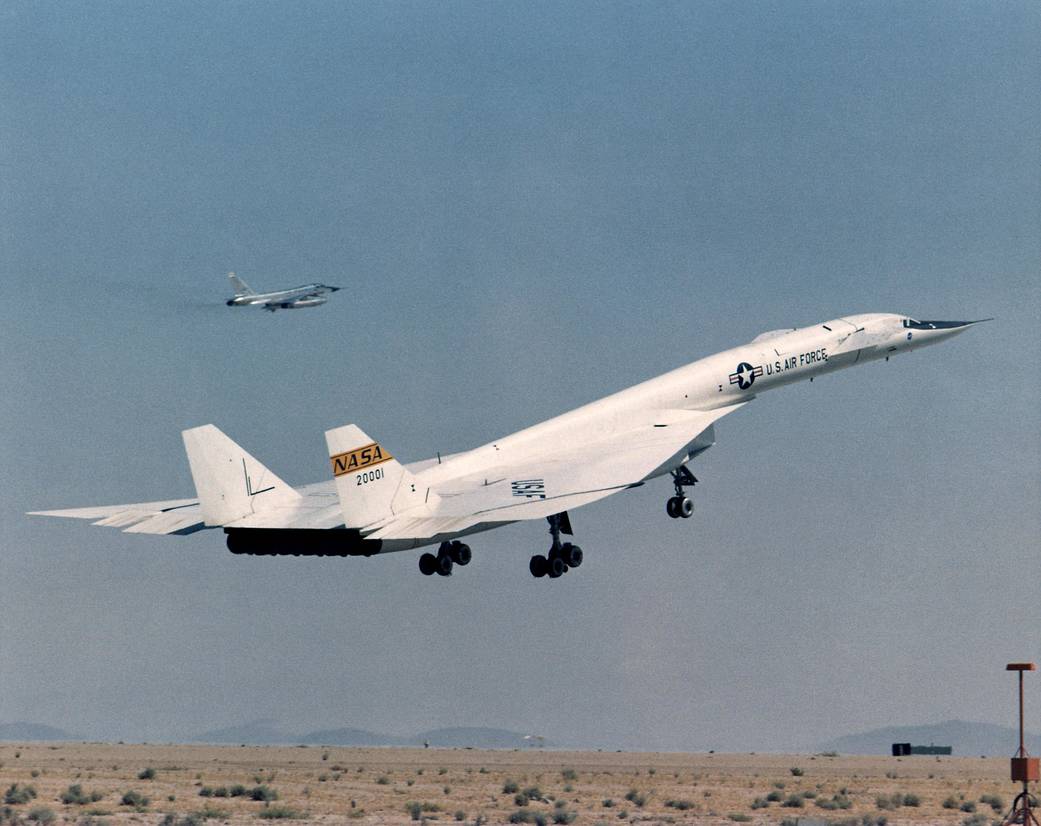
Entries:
{"x":529,"y":206}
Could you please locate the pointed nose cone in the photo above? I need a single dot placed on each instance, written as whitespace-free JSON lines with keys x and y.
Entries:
{"x":932,"y":332}
{"x":946,"y":329}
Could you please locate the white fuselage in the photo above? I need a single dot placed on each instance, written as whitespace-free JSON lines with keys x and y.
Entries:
{"x":308,"y":295}
{"x":720,"y":380}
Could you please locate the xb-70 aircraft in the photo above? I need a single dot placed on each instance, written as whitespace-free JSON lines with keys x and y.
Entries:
{"x":296,"y":298}
{"x":373,"y":504}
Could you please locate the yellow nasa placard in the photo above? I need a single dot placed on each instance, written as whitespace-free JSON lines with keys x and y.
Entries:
{"x":359,"y":459}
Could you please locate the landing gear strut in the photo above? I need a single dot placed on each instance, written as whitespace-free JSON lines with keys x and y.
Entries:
{"x":679,"y":505}
{"x":448,"y":555}
{"x":562,"y":557}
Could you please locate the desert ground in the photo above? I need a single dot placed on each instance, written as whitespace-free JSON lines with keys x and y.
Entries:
{"x":94,"y":784}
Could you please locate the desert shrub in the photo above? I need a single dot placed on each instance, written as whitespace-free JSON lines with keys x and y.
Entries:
{"x":737,"y":817}
{"x":208,"y":811}
{"x":995,"y":802}
{"x":968,"y":806}
{"x":838,"y":801}
{"x":280,"y":813}
{"x":415,"y":811}
{"x":221,"y":791}
{"x":796,"y":771}
{"x":774,"y":797}
{"x":607,"y":803}
{"x":520,"y":799}
{"x":264,"y":793}
{"x":509,"y":787}
{"x":528,"y":816}
{"x":889,"y":802}
{"x":950,"y":803}
{"x":18,"y":794}
{"x":809,"y":794}
{"x":460,"y":815}
{"x":238,"y":790}
{"x":778,"y":785}
{"x":912,"y":800}
{"x":75,"y":795}
{"x":975,"y":820}
{"x":564,"y":816}
{"x":146,"y":774}
{"x":570,"y":775}
{"x":682,"y":805}
{"x":133,"y":798}
{"x":533,"y":793}
{"x":42,"y":815}
{"x":568,"y":788}
{"x":383,"y":780}
{"x":637,"y":799}
{"x":793,"y":801}
{"x":192,"y":819}
{"x":760,"y":803}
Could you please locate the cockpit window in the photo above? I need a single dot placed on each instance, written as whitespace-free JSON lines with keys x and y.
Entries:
{"x":911,"y":324}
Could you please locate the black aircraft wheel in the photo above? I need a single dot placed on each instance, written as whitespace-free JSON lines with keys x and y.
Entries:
{"x":556,"y":567}
{"x":538,"y":566}
{"x":685,"y":508}
{"x":672,"y":507}
{"x":460,"y":553}
{"x":571,"y":554}
{"x":444,"y":564}
{"x":428,"y":564}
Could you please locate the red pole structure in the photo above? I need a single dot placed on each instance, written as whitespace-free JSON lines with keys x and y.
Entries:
{"x":1025,"y":769}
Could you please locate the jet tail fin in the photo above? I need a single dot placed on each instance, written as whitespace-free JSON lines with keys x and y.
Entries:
{"x":229,"y":482}
{"x":372,"y":484}
{"x":240,"y":286}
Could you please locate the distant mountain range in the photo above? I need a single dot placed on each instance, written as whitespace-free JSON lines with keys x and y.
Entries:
{"x":264,"y":732}
{"x":967,"y":739}
{"x":29,"y":732}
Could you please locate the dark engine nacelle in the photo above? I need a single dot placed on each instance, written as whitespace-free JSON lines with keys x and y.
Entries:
{"x":300,"y":542}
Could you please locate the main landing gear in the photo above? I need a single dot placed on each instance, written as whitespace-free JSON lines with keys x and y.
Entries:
{"x":679,"y":505}
{"x":448,"y":555}
{"x":561,"y":557}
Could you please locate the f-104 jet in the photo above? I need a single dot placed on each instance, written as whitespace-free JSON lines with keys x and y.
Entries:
{"x":308,"y":295}
{"x":372,"y":504}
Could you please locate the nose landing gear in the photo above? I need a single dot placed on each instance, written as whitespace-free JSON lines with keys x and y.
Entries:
{"x":449,"y":555}
{"x":562,"y":557}
{"x":680,"y":505}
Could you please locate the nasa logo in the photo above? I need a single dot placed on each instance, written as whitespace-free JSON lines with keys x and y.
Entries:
{"x":745,"y":375}
{"x":358,"y":459}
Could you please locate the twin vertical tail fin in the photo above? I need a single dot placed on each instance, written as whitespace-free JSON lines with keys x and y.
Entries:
{"x":240,"y":286}
{"x":372,"y":484}
{"x":229,"y":482}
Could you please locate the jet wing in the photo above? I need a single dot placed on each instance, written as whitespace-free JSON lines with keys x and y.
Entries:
{"x":174,"y":516}
{"x":653,"y":443}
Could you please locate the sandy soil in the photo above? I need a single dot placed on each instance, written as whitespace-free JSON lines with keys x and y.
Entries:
{"x":339,"y":785}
